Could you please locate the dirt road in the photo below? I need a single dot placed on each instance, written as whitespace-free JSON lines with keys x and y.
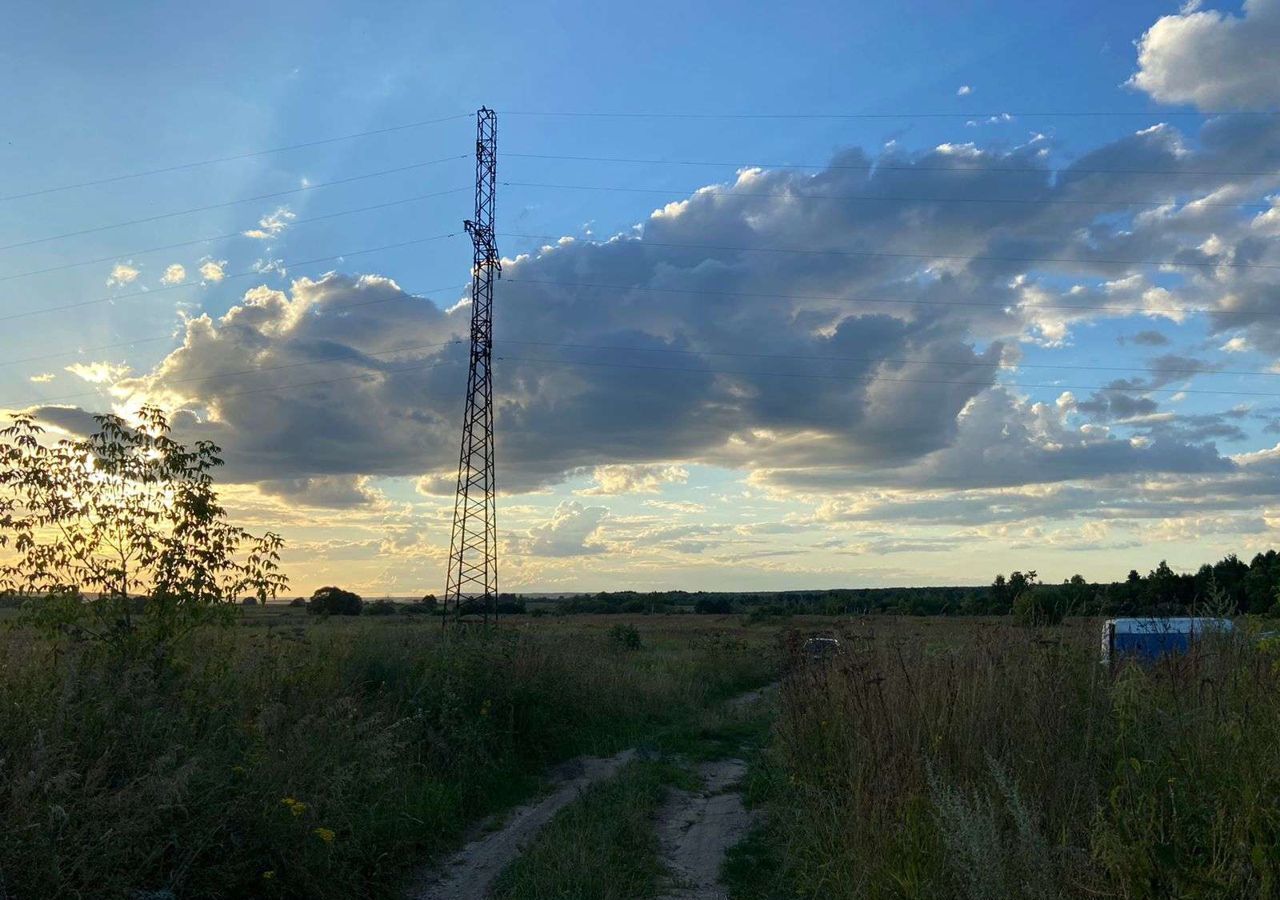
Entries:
{"x":697,"y":828}
{"x":469,"y":873}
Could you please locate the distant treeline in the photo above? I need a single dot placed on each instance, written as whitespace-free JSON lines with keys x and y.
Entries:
{"x":1227,"y":587}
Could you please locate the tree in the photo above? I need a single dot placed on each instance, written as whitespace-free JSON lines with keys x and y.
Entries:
{"x":125,"y":520}
{"x":429,"y":602}
{"x":334,"y":601}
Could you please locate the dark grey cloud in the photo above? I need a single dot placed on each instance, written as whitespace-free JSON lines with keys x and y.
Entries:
{"x":671,"y":343}
{"x":1149,"y":338}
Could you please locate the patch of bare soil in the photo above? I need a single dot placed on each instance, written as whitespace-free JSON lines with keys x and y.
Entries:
{"x":469,"y":873}
{"x":697,"y":828}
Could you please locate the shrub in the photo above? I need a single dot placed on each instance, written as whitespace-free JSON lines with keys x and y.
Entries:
{"x":383,"y":607}
{"x":713,"y":606}
{"x":125,"y":529}
{"x":1042,"y":604}
{"x":334,"y":601}
{"x":625,"y":637}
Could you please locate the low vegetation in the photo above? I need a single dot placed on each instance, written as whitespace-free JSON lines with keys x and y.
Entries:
{"x":603,"y":846}
{"x":943,"y":759}
{"x":323,"y":760}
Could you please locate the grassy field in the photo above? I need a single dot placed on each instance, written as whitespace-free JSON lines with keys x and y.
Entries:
{"x":953,"y":758}
{"x":936,"y":758}
{"x":289,"y":757}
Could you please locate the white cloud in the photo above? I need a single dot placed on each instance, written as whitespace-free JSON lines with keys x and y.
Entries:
{"x":99,"y":372}
{"x":272,"y":225}
{"x":570,"y":531}
{"x":1236,"y":345}
{"x":212,"y":271}
{"x":42,"y":378}
{"x":122,"y":274}
{"x":174,"y":274}
{"x":267,"y":266}
{"x":1213,"y":60}
{"x":964,"y":90}
{"x":641,"y":479}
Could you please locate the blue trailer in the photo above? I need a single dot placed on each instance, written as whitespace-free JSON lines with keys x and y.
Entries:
{"x":1148,"y":639}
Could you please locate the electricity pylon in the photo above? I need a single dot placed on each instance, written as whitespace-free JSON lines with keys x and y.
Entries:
{"x":472,"y":588}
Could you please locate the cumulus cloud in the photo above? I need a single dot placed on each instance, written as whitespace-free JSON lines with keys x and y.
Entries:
{"x":875,"y":359}
{"x":964,"y":90}
{"x":329,"y":491}
{"x":213,"y":270}
{"x":642,"y":479}
{"x":98,"y":372}
{"x":122,"y":274}
{"x":272,"y":225}
{"x":1212,"y":59}
{"x":571,"y":531}
{"x":176,"y":273}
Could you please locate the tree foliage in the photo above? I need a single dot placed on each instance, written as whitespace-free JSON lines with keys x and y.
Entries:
{"x":121,"y":535}
{"x":334,"y":601}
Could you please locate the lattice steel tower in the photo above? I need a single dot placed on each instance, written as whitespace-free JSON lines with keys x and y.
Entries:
{"x":472,"y":588}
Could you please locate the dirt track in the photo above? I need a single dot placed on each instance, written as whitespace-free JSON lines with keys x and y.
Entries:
{"x":469,"y":873}
{"x":697,"y":828}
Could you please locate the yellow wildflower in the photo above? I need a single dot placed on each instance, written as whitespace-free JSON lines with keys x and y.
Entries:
{"x":297,"y":807}
{"x":325,"y":834}
{"x":269,"y":874}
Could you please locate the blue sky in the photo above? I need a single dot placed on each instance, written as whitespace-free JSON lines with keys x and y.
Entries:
{"x":637,"y":477}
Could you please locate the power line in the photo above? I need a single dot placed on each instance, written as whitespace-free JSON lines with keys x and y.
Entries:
{"x":226,"y":203}
{"x":234,"y":234}
{"x":835,"y":298}
{"x":875,"y":198}
{"x":880,"y":378}
{"x":1064,"y":114}
{"x":892,"y":359}
{"x":903,"y":255}
{"x":221,"y":159}
{"x":248,"y":273}
{"x":894,"y":167}
{"x":417,"y":296}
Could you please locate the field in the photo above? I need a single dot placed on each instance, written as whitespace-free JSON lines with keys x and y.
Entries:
{"x":934,"y":758}
{"x":318,"y":759}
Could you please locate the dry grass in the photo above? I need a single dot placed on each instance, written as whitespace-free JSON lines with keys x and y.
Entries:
{"x":960,"y":759}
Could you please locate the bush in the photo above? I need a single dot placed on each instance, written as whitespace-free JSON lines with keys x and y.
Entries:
{"x":1042,"y":604}
{"x":298,"y":601}
{"x":625,"y":637}
{"x":713,"y":606}
{"x":334,"y":601}
{"x":383,"y":607}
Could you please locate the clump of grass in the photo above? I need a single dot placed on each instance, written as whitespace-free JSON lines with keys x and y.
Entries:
{"x":993,"y":761}
{"x":317,"y":761}
{"x":602,"y":846}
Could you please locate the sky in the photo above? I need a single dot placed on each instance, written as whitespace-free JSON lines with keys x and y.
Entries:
{"x":825,"y":295}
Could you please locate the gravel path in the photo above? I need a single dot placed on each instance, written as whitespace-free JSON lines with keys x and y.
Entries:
{"x":470,"y":873}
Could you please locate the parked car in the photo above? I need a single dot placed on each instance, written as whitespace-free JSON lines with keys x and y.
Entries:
{"x":820,"y":649}
{"x":1149,"y":639}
